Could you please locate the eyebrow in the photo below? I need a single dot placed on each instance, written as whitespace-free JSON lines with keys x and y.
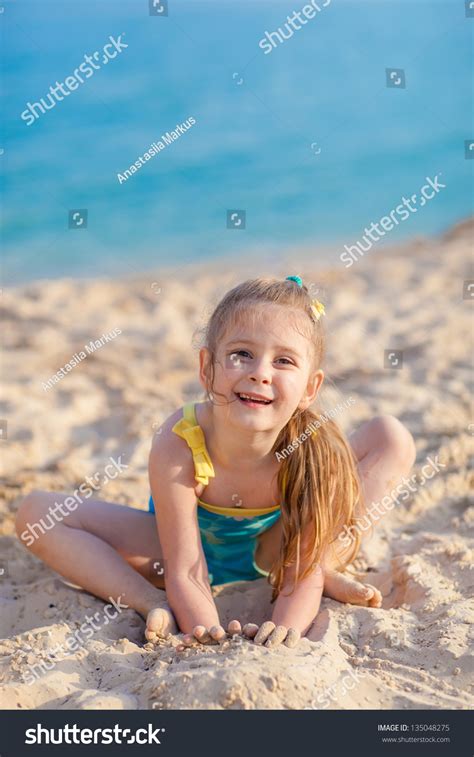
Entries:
{"x":278,"y":348}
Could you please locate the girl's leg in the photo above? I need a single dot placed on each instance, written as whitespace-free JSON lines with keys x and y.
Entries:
{"x":385,"y":452}
{"x":105,"y":548}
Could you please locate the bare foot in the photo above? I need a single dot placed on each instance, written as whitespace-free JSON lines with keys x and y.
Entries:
{"x":160,"y":623}
{"x":347,"y":589}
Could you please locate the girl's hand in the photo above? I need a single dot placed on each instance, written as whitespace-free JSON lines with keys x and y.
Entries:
{"x":204,"y":635}
{"x":271,"y":635}
{"x":268,"y":634}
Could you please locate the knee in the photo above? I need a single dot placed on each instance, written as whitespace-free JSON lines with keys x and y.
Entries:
{"x":395,"y":438}
{"x":30,"y":511}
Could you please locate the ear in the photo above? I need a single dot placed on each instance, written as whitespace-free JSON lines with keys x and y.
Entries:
{"x":312,"y":389}
{"x":204,"y":365}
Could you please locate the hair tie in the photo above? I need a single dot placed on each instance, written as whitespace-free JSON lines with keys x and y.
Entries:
{"x":317,"y":307}
{"x":298,"y":280}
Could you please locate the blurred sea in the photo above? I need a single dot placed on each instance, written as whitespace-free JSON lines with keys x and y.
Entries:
{"x":308,"y":139}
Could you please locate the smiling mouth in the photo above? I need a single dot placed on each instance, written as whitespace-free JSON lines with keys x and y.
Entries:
{"x":248,"y":399}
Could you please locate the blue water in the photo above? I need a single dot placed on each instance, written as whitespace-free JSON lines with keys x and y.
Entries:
{"x":251,"y":145}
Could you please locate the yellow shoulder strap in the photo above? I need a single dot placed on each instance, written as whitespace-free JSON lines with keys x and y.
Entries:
{"x":189,"y":430}
{"x":189,"y":413}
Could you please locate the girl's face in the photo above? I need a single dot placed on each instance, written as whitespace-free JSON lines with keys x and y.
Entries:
{"x":264,"y":369}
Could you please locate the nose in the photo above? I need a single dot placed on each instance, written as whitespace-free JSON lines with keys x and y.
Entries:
{"x":260,"y":372}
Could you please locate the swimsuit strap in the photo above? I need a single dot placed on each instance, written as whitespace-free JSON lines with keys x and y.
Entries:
{"x":189,"y":430}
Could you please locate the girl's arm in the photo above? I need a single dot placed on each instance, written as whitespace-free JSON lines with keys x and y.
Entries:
{"x":299,"y":609}
{"x":172,"y":483}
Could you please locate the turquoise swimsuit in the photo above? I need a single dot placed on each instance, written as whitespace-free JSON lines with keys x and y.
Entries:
{"x":228,"y":534}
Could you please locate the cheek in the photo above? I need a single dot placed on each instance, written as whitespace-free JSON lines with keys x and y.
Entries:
{"x":233,"y":365}
{"x":291,"y":386}
{"x":228,"y":373}
{"x":291,"y":379}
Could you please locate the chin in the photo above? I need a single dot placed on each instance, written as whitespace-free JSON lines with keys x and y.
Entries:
{"x":255,"y":421}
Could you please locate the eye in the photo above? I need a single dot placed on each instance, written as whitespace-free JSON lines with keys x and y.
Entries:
{"x":287,"y":360}
{"x":240,"y":353}
{"x":237,"y":358}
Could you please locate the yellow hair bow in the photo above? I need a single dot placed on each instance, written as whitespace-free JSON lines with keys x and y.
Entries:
{"x":318,"y":309}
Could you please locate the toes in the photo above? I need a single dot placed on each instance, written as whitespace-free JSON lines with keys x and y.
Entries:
{"x":264,"y":632}
{"x":355,"y":590}
{"x":346,"y":589}
{"x":376,"y":597}
{"x":250,"y":630}
{"x":366,"y":595}
{"x":363,"y":595}
{"x":358,"y":593}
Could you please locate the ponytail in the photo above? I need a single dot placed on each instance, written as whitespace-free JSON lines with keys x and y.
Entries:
{"x":320,"y":491}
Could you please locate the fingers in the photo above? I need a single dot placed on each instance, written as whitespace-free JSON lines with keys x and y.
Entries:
{"x":199,"y":634}
{"x":250,"y":630}
{"x":188,"y":640}
{"x":202,"y":635}
{"x":268,"y":634}
{"x":277,"y":636}
{"x":234,"y":627}
{"x":264,"y":632}
{"x":271,"y":636}
{"x":293,"y":637}
{"x":217,"y":633}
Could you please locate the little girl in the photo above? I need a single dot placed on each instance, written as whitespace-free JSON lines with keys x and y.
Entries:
{"x":280,"y":485}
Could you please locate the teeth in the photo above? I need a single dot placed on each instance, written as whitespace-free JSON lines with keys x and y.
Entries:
{"x":254,"y":399}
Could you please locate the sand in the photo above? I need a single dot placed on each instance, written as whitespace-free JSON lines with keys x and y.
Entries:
{"x":411,"y":653}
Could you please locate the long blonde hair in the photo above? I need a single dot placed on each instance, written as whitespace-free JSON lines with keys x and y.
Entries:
{"x":318,"y":480}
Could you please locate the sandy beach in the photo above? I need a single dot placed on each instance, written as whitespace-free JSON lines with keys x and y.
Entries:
{"x":413,"y":653}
